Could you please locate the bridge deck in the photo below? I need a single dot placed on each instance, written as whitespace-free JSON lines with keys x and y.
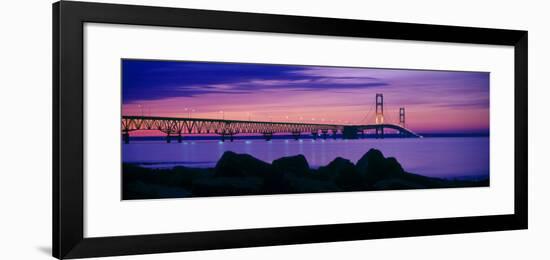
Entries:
{"x":186,"y":125}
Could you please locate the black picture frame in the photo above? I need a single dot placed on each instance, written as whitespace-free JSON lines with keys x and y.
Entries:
{"x":68,"y":146}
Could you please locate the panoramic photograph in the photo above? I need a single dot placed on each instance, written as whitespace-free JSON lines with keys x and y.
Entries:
{"x":207,"y":128}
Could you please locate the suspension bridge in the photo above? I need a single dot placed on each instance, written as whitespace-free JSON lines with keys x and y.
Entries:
{"x":177,"y":127}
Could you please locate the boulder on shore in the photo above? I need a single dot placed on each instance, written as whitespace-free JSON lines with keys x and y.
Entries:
{"x":339,"y":166}
{"x":292,"y":164}
{"x":375,"y":167}
{"x":242,"y":165}
{"x":344,"y":173}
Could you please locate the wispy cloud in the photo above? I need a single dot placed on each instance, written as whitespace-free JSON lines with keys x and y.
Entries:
{"x":151,"y":80}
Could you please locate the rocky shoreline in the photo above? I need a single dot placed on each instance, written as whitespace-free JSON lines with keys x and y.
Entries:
{"x":242,"y":174}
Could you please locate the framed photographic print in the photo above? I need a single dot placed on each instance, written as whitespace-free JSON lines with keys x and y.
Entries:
{"x":179,"y":129}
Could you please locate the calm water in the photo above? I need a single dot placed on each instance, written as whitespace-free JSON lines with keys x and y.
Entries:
{"x":456,"y":157}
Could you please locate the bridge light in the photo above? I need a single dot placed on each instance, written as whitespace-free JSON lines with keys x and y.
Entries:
{"x":140,"y":109}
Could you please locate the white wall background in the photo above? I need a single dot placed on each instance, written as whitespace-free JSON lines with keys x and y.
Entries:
{"x":25,"y":107}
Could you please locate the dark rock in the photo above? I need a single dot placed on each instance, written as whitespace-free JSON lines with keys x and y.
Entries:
{"x":343,"y":173}
{"x":398,"y":184}
{"x":339,"y":163}
{"x":374,"y":166}
{"x":292,"y":164}
{"x":393,"y":167}
{"x":332,"y":170}
{"x":141,"y":190}
{"x":307,"y":185}
{"x":227,"y":186}
{"x":372,"y":160}
{"x":339,"y":166}
{"x":242,"y":165}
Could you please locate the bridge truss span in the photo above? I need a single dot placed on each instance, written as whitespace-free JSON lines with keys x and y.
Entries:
{"x":225,"y":128}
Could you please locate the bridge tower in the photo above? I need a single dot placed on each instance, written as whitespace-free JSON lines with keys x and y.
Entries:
{"x":379,"y":115}
{"x":379,"y":109}
{"x":402,"y":116}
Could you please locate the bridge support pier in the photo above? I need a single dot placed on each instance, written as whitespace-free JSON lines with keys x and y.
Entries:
{"x":168,"y":138}
{"x":227,"y":134}
{"x":126,"y":137}
{"x":268,"y":136}
{"x":179,"y":138}
{"x":314,"y":135}
{"x":380,"y":132}
{"x":296,"y":135}
{"x":325,"y":133}
{"x":224,"y":136}
{"x":334,"y":132}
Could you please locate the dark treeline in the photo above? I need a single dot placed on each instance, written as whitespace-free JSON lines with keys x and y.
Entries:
{"x":242,"y":174}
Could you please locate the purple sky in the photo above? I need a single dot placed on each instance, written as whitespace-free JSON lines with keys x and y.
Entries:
{"x":435,"y":101}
